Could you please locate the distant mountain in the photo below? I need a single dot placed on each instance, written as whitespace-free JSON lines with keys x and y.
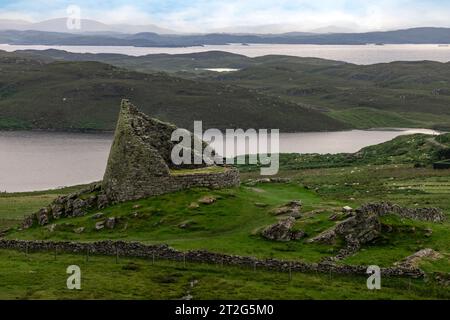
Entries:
{"x":151,"y":39}
{"x":8,"y":24}
{"x":260,"y":29}
{"x":335,"y":29}
{"x":87,"y":26}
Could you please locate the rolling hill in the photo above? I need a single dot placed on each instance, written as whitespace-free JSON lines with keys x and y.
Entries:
{"x":152,"y":39}
{"x":398,"y":94}
{"x":35,"y":94}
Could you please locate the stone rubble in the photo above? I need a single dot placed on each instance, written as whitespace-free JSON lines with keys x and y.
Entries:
{"x":414,"y":260}
{"x":282,"y":231}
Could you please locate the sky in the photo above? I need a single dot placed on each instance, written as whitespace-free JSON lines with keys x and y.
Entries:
{"x":205,"y":16}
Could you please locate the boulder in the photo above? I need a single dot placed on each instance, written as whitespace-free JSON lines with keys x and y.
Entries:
{"x":28,"y":222}
{"x":194,"y":205}
{"x":282,"y":231}
{"x":79,"y":230}
{"x":102,"y":201}
{"x":98,"y":216}
{"x":57,"y":210}
{"x":100,"y":225}
{"x":207,"y":200}
{"x":347,"y":209}
{"x":42,"y":216}
{"x":79,"y":208}
{"x":261,"y":205}
{"x":111,"y":223}
{"x":52,"y":227}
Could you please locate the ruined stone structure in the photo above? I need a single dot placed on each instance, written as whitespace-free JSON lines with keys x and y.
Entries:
{"x":139,"y":166}
{"x":364,"y":226}
{"x":140,"y":163}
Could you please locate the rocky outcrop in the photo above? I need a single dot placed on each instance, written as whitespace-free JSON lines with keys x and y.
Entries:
{"x":292,"y":209}
{"x":282,"y":231}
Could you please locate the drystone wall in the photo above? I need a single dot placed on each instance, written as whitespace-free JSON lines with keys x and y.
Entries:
{"x":422,"y":214}
{"x":139,"y":250}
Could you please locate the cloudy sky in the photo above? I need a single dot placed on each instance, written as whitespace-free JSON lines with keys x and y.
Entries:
{"x":203,"y":15}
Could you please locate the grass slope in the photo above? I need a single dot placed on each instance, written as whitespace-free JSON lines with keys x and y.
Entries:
{"x":86,"y":96}
{"x":398,"y":94}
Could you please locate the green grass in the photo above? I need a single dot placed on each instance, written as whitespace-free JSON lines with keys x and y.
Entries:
{"x":325,"y":184}
{"x":230,"y":225}
{"x":40,"y":276}
{"x":364,"y":118}
{"x":212,"y":169}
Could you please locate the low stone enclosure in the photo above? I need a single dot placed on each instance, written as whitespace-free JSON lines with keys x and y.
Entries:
{"x":139,"y":166}
{"x":139,"y":250}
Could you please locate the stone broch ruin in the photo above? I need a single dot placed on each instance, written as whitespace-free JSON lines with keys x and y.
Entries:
{"x":139,"y":166}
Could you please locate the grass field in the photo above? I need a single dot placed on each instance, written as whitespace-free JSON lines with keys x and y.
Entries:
{"x":232,"y":224}
{"x":40,"y":276}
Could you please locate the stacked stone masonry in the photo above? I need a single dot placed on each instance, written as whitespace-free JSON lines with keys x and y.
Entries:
{"x":139,"y":250}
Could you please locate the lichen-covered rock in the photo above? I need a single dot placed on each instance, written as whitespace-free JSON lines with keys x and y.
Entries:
{"x":43,"y":216}
{"x":207,"y":200}
{"x":282,"y":231}
{"x":79,"y":230}
{"x":79,"y":208}
{"x":194,"y":205}
{"x":57,"y":210}
{"x":100,"y":225}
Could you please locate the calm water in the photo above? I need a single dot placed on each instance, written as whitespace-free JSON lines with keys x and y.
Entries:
{"x":360,"y":54}
{"x":38,"y":161}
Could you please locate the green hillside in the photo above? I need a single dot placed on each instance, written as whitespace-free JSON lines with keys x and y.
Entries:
{"x":85,"y":96}
{"x":398,"y":94}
